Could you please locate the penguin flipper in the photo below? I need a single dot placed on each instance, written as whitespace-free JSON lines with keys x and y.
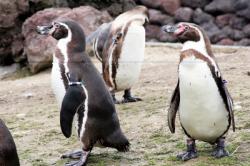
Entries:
{"x":90,"y":38}
{"x":72,"y":101}
{"x":226,"y":98}
{"x":173,"y":108}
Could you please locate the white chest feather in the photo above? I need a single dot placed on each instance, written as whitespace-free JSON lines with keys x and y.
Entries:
{"x":202,"y":110}
{"x":56,"y":75}
{"x":57,"y":81}
{"x":131,"y":59}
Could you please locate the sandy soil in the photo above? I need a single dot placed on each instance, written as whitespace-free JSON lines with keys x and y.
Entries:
{"x":28,"y":107}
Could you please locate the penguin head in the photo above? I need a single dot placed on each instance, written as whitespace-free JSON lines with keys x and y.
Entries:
{"x":65,"y":29}
{"x":185,"y":31}
{"x":138,"y":15}
{"x":57,"y":30}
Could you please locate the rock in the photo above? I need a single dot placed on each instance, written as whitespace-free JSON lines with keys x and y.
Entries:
{"x":237,"y":35}
{"x":152,"y":31}
{"x":241,"y":4}
{"x":243,"y":42}
{"x":223,"y":20}
{"x":152,"y":4}
{"x":166,"y":37}
{"x":184,"y":14}
{"x":119,"y":7}
{"x":244,"y":13}
{"x":237,"y":22}
{"x":38,"y":48}
{"x":220,"y":6}
{"x":12,"y":15}
{"x":213,"y":32}
{"x":200,"y":17}
{"x":246,"y":30}
{"x":6,"y":71}
{"x":226,"y":41}
{"x":195,"y":3}
{"x":157,"y":17}
{"x":170,"y":6}
{"x":155,"y":32}
{"x":232,"y":33}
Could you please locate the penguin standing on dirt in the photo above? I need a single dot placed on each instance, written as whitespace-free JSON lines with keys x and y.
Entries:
{"x":120,"y":46}
{"x":201,"y":96}
{"x":80,"y":90}
{"x":8,"y":152}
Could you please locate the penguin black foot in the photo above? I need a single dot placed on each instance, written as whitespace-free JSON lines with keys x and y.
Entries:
{"x":127,"y":97}
{"x":82,"y":161}
{"x":190,"y":153}
{"x":220,"y":150}
{"x":130,"y":99}
{"x":76,"y":154}
{"x":187,"y":155}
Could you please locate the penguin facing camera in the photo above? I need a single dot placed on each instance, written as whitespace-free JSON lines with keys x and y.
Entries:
{"x":201,"y":96}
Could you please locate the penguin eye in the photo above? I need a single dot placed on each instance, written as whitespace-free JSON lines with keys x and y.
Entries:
{"x":186,"y":27}
{"x":57,"y":25}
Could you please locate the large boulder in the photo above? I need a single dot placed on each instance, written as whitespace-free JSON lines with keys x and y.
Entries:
{"x":39,"y":49}
{"x":12,"y":15}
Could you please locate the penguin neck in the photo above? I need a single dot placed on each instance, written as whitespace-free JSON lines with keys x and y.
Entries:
{"x":203,"y":46}
{"x":71,"y":45}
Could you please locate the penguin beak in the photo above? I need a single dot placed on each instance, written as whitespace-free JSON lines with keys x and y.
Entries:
{"x":44,"y":30}
{"x":169,"y":28}
{"x":177,"y":30}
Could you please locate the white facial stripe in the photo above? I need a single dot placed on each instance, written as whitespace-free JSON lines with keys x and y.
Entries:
{"x":200,"y":46}
{"x":85,"y":113}
{"x":63,"y":46}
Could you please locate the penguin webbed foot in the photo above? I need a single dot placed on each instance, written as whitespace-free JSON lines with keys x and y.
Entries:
{"x":191,"y":151}
{"x":127,"y":97}
{"x":82,"y":161}
{"x":187,"y":155}
{"x":220,"y":150}
{"x":76,"y":154}
{"x":130,"y":99}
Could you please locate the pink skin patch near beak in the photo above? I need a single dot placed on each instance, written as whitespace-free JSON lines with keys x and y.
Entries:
{"x":180,"y":30}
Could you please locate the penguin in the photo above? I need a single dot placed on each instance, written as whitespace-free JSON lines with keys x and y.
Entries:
{"x":8,"y":152}
{"x":201,"y":96}
{"x":81,"y":91}
{"x":120,"y":45}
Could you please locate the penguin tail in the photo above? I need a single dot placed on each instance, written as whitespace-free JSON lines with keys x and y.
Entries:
{"x":72,"y":101}
{"x":117,"y":140}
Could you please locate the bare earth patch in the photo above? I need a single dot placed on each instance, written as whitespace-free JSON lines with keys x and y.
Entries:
{"x":28,"y":107}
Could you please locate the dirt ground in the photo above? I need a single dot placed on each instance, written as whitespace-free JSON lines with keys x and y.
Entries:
{"x":28,"y":107}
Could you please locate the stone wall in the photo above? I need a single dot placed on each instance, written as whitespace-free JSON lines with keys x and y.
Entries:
{"x":227,"y":22}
